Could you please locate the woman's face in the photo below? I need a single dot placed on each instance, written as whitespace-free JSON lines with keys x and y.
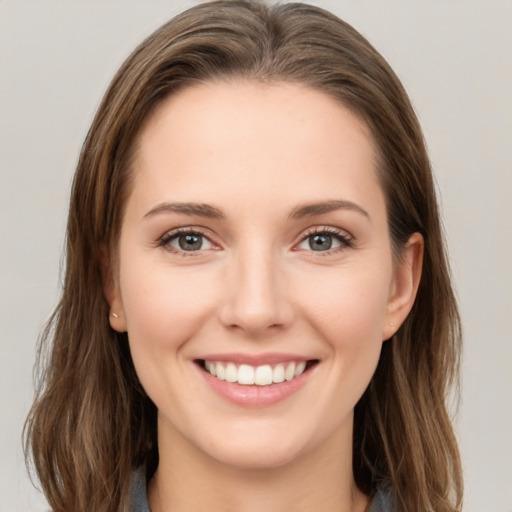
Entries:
{"x":255,"y":246}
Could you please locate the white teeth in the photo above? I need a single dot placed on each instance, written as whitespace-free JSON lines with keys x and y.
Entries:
{"x":263,"y":375}
{"x":231,"y":373}
{"x":245,"y":374}
{"x":220,"y":371}
{"x":289,"y":373}
{"x":210,"y":367}
{"x":299,"y":369}
{"x":278,"y":374}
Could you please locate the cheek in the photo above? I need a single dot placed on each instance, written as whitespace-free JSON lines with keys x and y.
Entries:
{"x":352,"y":302}
{"x":348,"y":309}
{"x":163,"y":305}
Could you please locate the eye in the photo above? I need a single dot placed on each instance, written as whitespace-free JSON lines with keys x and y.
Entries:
{"x":320,"y":242}
{"x":186,"y":241}
{"x":325,"y":240}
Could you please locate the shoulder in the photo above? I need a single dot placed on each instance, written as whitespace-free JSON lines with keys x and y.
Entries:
{"x":138,"y":495}
{"x":138,"y":502}
{"x":381,"y":502}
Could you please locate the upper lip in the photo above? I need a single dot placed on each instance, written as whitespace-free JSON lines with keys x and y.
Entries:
{"x":255,"y":359}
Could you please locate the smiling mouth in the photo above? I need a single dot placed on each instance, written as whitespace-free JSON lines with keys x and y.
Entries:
{"x":262,"y":375}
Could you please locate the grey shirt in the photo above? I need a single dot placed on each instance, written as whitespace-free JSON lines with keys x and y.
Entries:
{"x":139,"y":498}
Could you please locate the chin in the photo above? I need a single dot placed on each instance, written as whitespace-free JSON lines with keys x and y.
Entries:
{"x":250,"y":456}
{"x":260,"y":445}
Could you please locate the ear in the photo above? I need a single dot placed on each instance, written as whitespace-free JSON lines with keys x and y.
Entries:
{"x":406,"y":279}
{"x":112,"y":292}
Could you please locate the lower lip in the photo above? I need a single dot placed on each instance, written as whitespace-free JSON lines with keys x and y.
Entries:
{"x":256,"y":396}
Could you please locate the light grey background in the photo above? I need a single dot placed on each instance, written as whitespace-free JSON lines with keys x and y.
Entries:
{"x":454,"y":57}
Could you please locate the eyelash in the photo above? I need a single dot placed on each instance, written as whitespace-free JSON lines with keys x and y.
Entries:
{"x":344,"y":238}
{"x":172,"y":235}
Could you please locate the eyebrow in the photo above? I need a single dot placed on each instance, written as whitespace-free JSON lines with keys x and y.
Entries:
{"x":206,"y":210}
{"x":199,"y":209}
{"x":311,"y":209}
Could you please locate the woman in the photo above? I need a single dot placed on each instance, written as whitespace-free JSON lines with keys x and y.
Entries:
{"x":257,"y":311}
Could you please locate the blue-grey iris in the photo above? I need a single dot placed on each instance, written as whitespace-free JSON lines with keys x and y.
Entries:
{"x":190,"y":242}
{"x":320,"y":242}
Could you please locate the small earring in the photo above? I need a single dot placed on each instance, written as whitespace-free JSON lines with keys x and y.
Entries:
{"x":115,"y":315}
{"x":392,"y":325}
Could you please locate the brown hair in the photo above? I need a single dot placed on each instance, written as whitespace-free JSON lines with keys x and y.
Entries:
{"x":91,"y":422}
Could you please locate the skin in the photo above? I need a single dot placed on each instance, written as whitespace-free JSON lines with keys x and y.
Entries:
{"x":257,"y":153}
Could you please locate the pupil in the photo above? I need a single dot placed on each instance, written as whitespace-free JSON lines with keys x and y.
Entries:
{"x":190,"y":242}
{"x":320,"y":242}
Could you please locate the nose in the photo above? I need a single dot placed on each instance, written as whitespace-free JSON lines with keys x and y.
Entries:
{"x":255,"y":298}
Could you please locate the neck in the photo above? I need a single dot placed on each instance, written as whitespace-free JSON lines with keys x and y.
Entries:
{"x":321,"y":479}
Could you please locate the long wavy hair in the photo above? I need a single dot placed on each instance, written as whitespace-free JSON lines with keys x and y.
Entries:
{"x":92,"y":423}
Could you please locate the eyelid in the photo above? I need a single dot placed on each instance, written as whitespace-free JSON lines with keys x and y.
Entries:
{"x":168,"y":236}
{"x":327,"y":229}
{"x":345,"y":238}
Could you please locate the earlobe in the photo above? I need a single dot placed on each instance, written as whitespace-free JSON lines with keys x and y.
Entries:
{"x":112,"y":292}
{"x":117,"y":321}
{"x":406,"y":280}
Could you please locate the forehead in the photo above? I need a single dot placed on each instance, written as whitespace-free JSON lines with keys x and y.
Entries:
{"x":295,"y":109}
{"x":282,"y":141}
